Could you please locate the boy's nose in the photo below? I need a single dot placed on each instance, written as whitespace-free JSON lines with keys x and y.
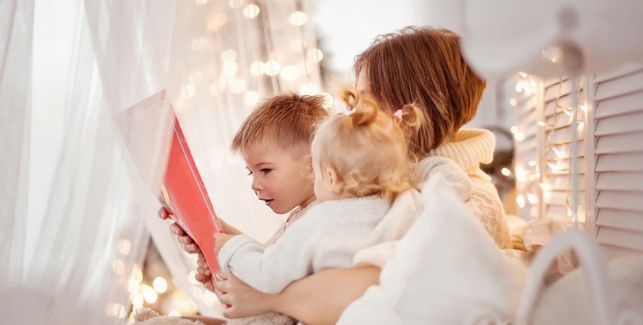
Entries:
{"x":256,"y":186}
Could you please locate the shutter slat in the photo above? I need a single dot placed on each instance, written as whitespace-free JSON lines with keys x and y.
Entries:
{"x":621,"y":238}
{"x":563,"y":135}
{"x":562,"y":182}
{"x":563,"y":151}
{"x":625,"y":123}
{"x":619,"y":143}
{"x":560,"y":198}
{"x":622,"y":219}
{"x":558,"y":121}
{"x":632,"y":161}
{"x":554,"y":91}
{"x":619,"y":105}
{"x":626,"y":69}
{"x":620,"y":200}
{"x":563,"y":167}
{"x":619,"y":86}
{"x":620,"y":181}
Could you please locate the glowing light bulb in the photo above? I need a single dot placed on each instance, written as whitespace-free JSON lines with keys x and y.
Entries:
{"x":298,"y":18}
{"x":505,"y":171}
{"x":160,"y":285}
{"x":533,"y":199}
{"x":118,"y":267}
{"x":138,"y":301}
{"x":271,"y":67}
{"x":315,"y":55}
{"x":251,"y":11}
{"x":149,"y":294}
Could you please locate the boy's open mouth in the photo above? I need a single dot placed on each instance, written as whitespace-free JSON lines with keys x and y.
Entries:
{"x":268,"y":201}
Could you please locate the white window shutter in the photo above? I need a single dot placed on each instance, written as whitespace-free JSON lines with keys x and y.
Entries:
{"x":556,"y":149}
{"x":617,"y":131}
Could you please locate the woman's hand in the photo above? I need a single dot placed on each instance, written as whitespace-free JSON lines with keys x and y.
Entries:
{"x":241,"y":299}
{"x":187,"y":243}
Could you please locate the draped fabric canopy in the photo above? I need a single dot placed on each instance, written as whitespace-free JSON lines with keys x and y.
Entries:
{"x":75,"y":212}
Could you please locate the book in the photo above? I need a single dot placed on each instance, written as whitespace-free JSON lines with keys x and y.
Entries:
{"x":152,"y":133}
{"x":185,"y":194}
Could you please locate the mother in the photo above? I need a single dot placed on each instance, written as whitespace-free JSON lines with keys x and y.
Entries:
{"x":416,"y":65}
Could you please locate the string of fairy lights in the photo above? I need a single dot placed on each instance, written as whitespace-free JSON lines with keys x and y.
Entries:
{"x":536,"y":177}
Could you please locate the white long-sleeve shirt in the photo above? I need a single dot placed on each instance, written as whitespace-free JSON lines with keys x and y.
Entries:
{"x":326,"y":236}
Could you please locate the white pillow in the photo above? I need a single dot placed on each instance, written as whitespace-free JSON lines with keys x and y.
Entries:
{"x":446,"y":270}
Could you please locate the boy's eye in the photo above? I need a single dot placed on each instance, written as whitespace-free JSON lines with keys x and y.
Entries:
{"x":265,"y":171}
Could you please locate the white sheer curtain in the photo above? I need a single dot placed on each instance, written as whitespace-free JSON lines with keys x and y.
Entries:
{"x":74,"y":211}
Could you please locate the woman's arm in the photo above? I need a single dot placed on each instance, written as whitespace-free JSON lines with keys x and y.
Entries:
{"x":318,"y":299}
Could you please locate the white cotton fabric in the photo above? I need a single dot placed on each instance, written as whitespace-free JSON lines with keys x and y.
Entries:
{"x":446,"y":270}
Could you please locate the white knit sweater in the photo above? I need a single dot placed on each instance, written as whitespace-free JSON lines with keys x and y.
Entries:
{"x":470,"y":148}
{"x":327,"y":236}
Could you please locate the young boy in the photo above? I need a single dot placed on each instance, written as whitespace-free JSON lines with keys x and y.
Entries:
{"x":275,"y":143}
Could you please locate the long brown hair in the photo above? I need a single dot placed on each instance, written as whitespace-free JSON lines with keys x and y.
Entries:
{"x":423,"y":66}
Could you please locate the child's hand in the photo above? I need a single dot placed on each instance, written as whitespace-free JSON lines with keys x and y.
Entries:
{"x":240,"y":299}
{"x":203,"y":273}
{"x":187,"y":243}
{"x":220,"y":239}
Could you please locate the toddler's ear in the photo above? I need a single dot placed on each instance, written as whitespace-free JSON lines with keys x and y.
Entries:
{"x":332,"y":176}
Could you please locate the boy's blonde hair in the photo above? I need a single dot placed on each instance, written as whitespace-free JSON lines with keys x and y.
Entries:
{"x":288,"y":121}
{"x":366,"y":148}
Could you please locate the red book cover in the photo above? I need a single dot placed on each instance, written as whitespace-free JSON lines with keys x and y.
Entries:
{"x":185,"y":194}
{"x":145,"y":127}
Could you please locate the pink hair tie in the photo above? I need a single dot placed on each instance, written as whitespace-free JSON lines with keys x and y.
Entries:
{"x":398,"y":114}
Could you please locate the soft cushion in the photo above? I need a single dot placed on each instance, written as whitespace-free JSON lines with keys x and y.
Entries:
{"x":445,"y":270}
